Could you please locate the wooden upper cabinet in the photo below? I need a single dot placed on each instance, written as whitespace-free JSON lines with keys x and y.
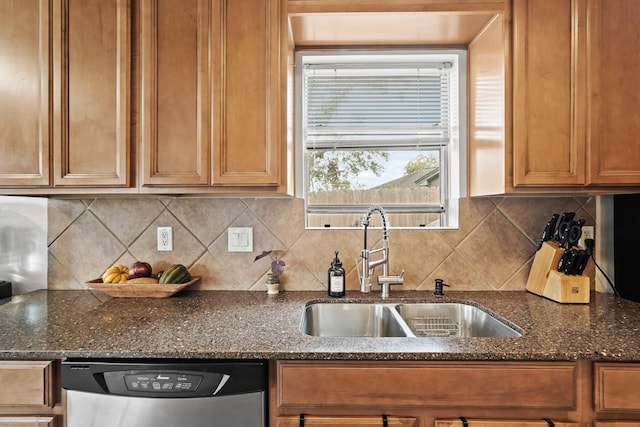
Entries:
{"x":575,"y":101}
{"x":91,"y":93}
{"x":211,"y":93}
{"x":248,"y":94}
{"x":177,"y":42}
{"x":576,"y":92}
{"x":488,"y":164}
{"x":548,"y":88}
{"x":614,"y":92}
{"x":24,"y":85}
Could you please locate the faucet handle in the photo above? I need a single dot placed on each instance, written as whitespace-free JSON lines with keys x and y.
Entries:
{"x":392,"y":280}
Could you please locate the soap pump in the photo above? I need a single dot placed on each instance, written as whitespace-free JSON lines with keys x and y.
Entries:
{"x":336,"y":278}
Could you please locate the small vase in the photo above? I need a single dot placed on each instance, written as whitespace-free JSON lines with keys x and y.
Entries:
{"x":272,"y":283}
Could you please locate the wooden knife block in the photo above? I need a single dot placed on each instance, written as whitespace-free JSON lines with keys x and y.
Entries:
{"x":545,"y":279}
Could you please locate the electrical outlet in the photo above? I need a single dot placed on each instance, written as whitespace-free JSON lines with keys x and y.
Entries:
{"x":587,"y":233}
{"x":165,"y":239}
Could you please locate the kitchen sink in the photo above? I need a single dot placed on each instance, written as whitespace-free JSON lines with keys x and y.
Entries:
{"x":351,"y":320}
{"x":402,"y":320}
{"x":453,"y":320}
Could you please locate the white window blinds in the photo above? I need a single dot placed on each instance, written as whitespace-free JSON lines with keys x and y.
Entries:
{"x":376,"y":105}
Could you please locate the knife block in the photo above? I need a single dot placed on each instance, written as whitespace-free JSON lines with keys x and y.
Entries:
{"x":545,"y":279}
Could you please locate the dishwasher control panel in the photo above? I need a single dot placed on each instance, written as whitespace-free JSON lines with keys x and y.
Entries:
{"x":165,"y":379}
{"x":162,"y":382}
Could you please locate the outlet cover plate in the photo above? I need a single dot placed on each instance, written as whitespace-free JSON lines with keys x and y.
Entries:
{"x":587,"y":233}
{"x":165,"y":239}
{"x":240,"y":239}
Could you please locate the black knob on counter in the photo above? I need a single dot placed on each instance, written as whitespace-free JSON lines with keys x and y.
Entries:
{"x":439,"y":290}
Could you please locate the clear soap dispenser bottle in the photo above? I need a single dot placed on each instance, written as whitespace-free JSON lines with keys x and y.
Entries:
{"x":336,"y":278}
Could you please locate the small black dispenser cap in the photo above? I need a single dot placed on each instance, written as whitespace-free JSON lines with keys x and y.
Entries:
{"x":5,"y":289}
{"x":336,"y":262}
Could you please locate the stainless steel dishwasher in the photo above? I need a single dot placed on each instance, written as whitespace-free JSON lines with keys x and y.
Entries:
{"x":112,"y":393}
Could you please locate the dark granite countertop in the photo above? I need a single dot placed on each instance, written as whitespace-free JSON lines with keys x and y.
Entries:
{"x":228,"y":324}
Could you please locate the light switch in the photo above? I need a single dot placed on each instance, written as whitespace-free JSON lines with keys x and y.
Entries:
{"x":240,"y":239}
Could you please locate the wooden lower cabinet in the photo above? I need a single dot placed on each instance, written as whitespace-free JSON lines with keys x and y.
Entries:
{"x":30,"y":394}
{"x":321,"y":421}
{"x":617,"y":394}
{"x":635,"y":423}
{"x":502,"y":423}
{"x":429,"y":393}
{"x":26,"y":383}
{"x":48,"y":421}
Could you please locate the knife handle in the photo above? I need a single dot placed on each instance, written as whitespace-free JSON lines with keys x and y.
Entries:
{"x":562,"y":264}
{"x":549,"y":229}
{"x":582,"y":262}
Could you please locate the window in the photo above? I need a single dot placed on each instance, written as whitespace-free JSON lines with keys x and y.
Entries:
{"x":381,"y":128}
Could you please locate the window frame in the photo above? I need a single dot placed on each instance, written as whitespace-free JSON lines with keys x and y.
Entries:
{"x":455,"y":173}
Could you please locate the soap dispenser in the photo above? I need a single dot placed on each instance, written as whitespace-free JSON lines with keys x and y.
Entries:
{"x":336,"y":278}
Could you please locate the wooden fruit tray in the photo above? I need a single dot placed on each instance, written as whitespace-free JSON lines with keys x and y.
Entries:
{"x":140,"y":290}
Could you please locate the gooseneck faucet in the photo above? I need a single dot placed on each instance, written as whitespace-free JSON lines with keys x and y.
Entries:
{"x":368,"y":265}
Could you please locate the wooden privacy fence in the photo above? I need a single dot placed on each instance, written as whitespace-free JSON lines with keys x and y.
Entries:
{"x":374,"y":196}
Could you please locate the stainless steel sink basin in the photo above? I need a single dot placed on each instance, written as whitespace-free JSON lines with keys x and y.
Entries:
{"x":453,"y":320}
{"x":351,"y":320}
{"x":402,"y":320}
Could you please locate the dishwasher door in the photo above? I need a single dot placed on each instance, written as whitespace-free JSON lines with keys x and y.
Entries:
{"x":185,"y":394}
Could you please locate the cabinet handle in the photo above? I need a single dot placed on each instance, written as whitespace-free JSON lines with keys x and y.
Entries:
{"x":385,"y":421}
{"x":301,"y":420}
{"x":465,"y":423}
{"x":548,"y":420}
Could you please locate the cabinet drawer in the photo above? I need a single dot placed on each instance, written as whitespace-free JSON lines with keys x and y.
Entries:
{"x":424,"y":384}
{"x":26,"y":383}
{"x":27,"y":421}
{"x":616,"y":386}
{"x":502,"y":423}
{"x":617,"y":423}
{"x":318,"y":421}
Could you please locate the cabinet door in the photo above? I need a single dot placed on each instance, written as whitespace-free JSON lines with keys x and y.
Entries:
{"x":357,"y":385}
{"x":548,"y":86}
{"x":503,"y":423}
{"x":614,"y":102}
{"x":26,"y":383}
{"x":176,"y":92}
{"x":24,"y":84}
{"x":247,"y":122}
{"x":369,"y":421}
{"x":91,"y":92}
{"x":617,"y":423}
{"x":26,"y":421}
{"x":616,"y":387}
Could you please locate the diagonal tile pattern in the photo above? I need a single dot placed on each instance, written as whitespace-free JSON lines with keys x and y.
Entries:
{"x":492,"y":249}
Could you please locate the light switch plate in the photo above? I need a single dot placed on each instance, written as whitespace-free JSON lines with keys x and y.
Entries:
{"x":240,"y":239}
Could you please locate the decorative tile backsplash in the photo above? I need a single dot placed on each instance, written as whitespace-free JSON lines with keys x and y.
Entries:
{"x":492,"y":250}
